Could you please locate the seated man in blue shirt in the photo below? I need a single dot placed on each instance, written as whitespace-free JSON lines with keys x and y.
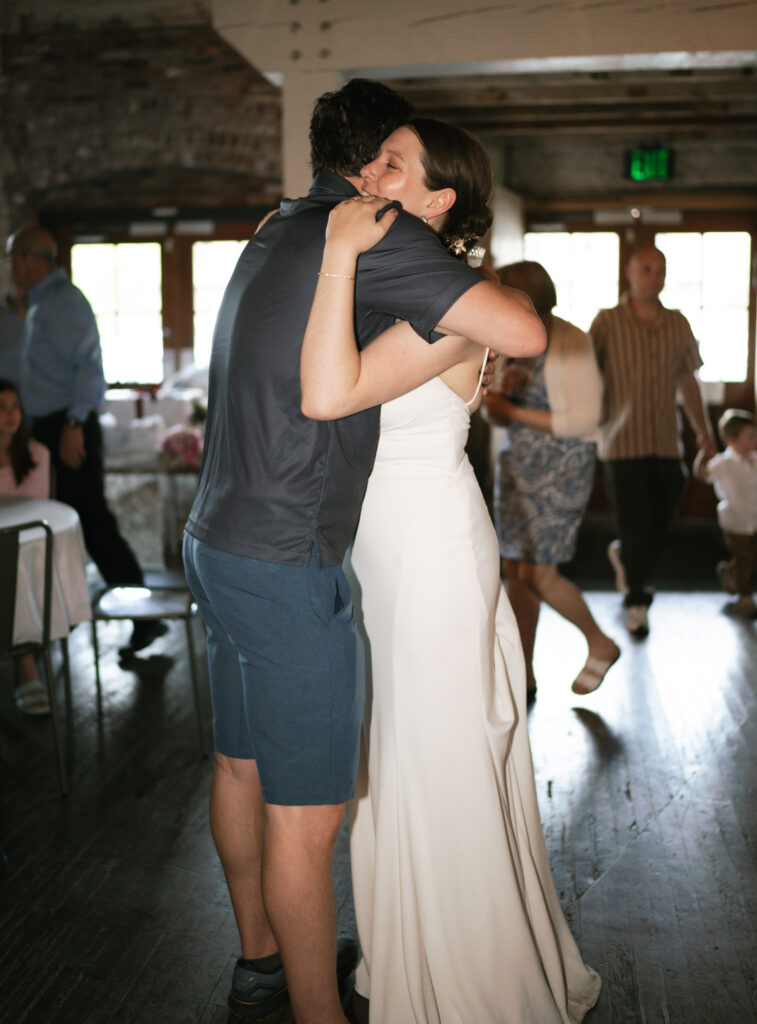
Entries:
{"x":277,"y":504}
{"x":62,"y":386}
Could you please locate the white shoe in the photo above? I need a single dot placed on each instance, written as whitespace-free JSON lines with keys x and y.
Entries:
{"x":613,"y":553}
{"x":637,"y":623}
{"x":31,"y":698}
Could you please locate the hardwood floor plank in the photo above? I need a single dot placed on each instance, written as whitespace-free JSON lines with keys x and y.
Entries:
{"x":665,"y":731}
{"x":115,"y":907}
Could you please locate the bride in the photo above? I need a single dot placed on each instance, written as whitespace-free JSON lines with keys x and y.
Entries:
{"x":457,"y":913}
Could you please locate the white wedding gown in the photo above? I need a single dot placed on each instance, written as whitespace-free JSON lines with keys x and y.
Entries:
{"x":457,"y":913}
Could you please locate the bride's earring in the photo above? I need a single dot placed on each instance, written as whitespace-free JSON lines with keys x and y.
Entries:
{"x":424,"y":218}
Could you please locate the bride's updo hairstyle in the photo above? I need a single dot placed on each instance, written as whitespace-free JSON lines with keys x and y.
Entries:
{"x":454,"y":159}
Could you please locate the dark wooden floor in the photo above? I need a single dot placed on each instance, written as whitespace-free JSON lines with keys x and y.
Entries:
{"x":114,"y":907}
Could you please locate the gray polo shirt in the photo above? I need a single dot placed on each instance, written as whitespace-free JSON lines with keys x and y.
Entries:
{"x":274,"y":483}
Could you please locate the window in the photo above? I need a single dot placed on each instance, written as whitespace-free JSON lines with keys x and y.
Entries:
{"x":212,"y":266}
{"x":584,"y":268}
{"x":708,"y":280}
{"x":123,"y":284}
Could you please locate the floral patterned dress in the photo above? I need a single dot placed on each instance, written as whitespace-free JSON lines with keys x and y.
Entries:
{"x":542,"y":483}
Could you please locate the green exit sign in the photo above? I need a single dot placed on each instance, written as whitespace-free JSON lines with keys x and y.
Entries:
{"x":649,"y":164}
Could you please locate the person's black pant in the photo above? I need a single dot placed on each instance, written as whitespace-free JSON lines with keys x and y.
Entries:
{"x":645,"y":494}
{"x":84,"y":490}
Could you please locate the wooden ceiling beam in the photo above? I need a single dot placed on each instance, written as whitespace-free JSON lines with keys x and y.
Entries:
{"x":505,"y":123}
{"x":689,"y":102}
{"x":501,"y":88}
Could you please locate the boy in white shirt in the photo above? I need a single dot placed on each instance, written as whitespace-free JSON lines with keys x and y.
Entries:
{"x":733,"y":474}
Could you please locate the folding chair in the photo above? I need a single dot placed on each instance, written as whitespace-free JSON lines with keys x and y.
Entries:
{"x":145,"y":603}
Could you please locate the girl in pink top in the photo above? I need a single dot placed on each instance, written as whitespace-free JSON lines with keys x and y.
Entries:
{"x":24,"y":472}
{"x":24,"y":462}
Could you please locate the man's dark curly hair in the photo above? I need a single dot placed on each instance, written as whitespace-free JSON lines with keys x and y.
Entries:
{"x":348,"y":126}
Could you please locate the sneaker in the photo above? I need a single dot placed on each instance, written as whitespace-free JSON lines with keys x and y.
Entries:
{"x":256,"y":995}
{"x":637,"y":623}
{"x":726,"y":576}
{"x":745,"y":605}
{"x":613,"y":554}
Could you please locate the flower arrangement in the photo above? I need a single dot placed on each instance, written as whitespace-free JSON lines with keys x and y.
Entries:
{"x":183,"y":446}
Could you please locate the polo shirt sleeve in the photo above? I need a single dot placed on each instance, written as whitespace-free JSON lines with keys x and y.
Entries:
{"x":598,"y":335}
{"x":410,"y":276}
{"x":690,"y":359}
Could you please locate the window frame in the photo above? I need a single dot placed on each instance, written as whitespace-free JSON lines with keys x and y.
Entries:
{"x":176,"y":263}
{"x":735,"y":393}
{"x":176,"y":272}
{"x":698,"y":504}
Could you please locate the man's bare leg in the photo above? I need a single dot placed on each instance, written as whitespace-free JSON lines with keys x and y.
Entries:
{"x":298,"y":890}
{"x":277,"y":860}
{"x":237,"y":822}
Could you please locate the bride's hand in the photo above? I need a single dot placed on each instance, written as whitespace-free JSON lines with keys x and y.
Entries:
{"x":353,"y":226}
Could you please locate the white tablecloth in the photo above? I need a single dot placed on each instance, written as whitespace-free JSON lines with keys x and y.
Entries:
{"x":70,"y":598}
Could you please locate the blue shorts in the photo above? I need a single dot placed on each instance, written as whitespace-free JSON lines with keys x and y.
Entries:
{"x":286,"y":677}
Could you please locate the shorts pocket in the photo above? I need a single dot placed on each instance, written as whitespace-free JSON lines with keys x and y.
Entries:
{"x":331,"y":598}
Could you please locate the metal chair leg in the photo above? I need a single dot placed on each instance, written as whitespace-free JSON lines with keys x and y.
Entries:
{"x":56,"y":721}
{"x":66,"y":674}
{"x":96,"y":651}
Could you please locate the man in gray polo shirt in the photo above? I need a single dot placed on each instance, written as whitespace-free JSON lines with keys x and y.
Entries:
{"x":277,"y":504}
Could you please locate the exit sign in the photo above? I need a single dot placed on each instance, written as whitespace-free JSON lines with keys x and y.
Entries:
{"x":649,"y":164}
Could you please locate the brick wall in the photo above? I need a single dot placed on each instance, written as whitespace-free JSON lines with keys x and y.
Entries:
{"x":38,"y":15}
{"x":132,"y":117}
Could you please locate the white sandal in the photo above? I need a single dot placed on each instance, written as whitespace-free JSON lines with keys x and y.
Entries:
{"x":592,"y":675}
{"x":31,"y":698}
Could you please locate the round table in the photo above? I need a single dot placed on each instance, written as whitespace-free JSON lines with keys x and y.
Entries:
{"x":70,"y":597}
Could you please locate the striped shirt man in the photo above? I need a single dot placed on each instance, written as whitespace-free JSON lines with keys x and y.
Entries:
{"x":641,"y":367}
